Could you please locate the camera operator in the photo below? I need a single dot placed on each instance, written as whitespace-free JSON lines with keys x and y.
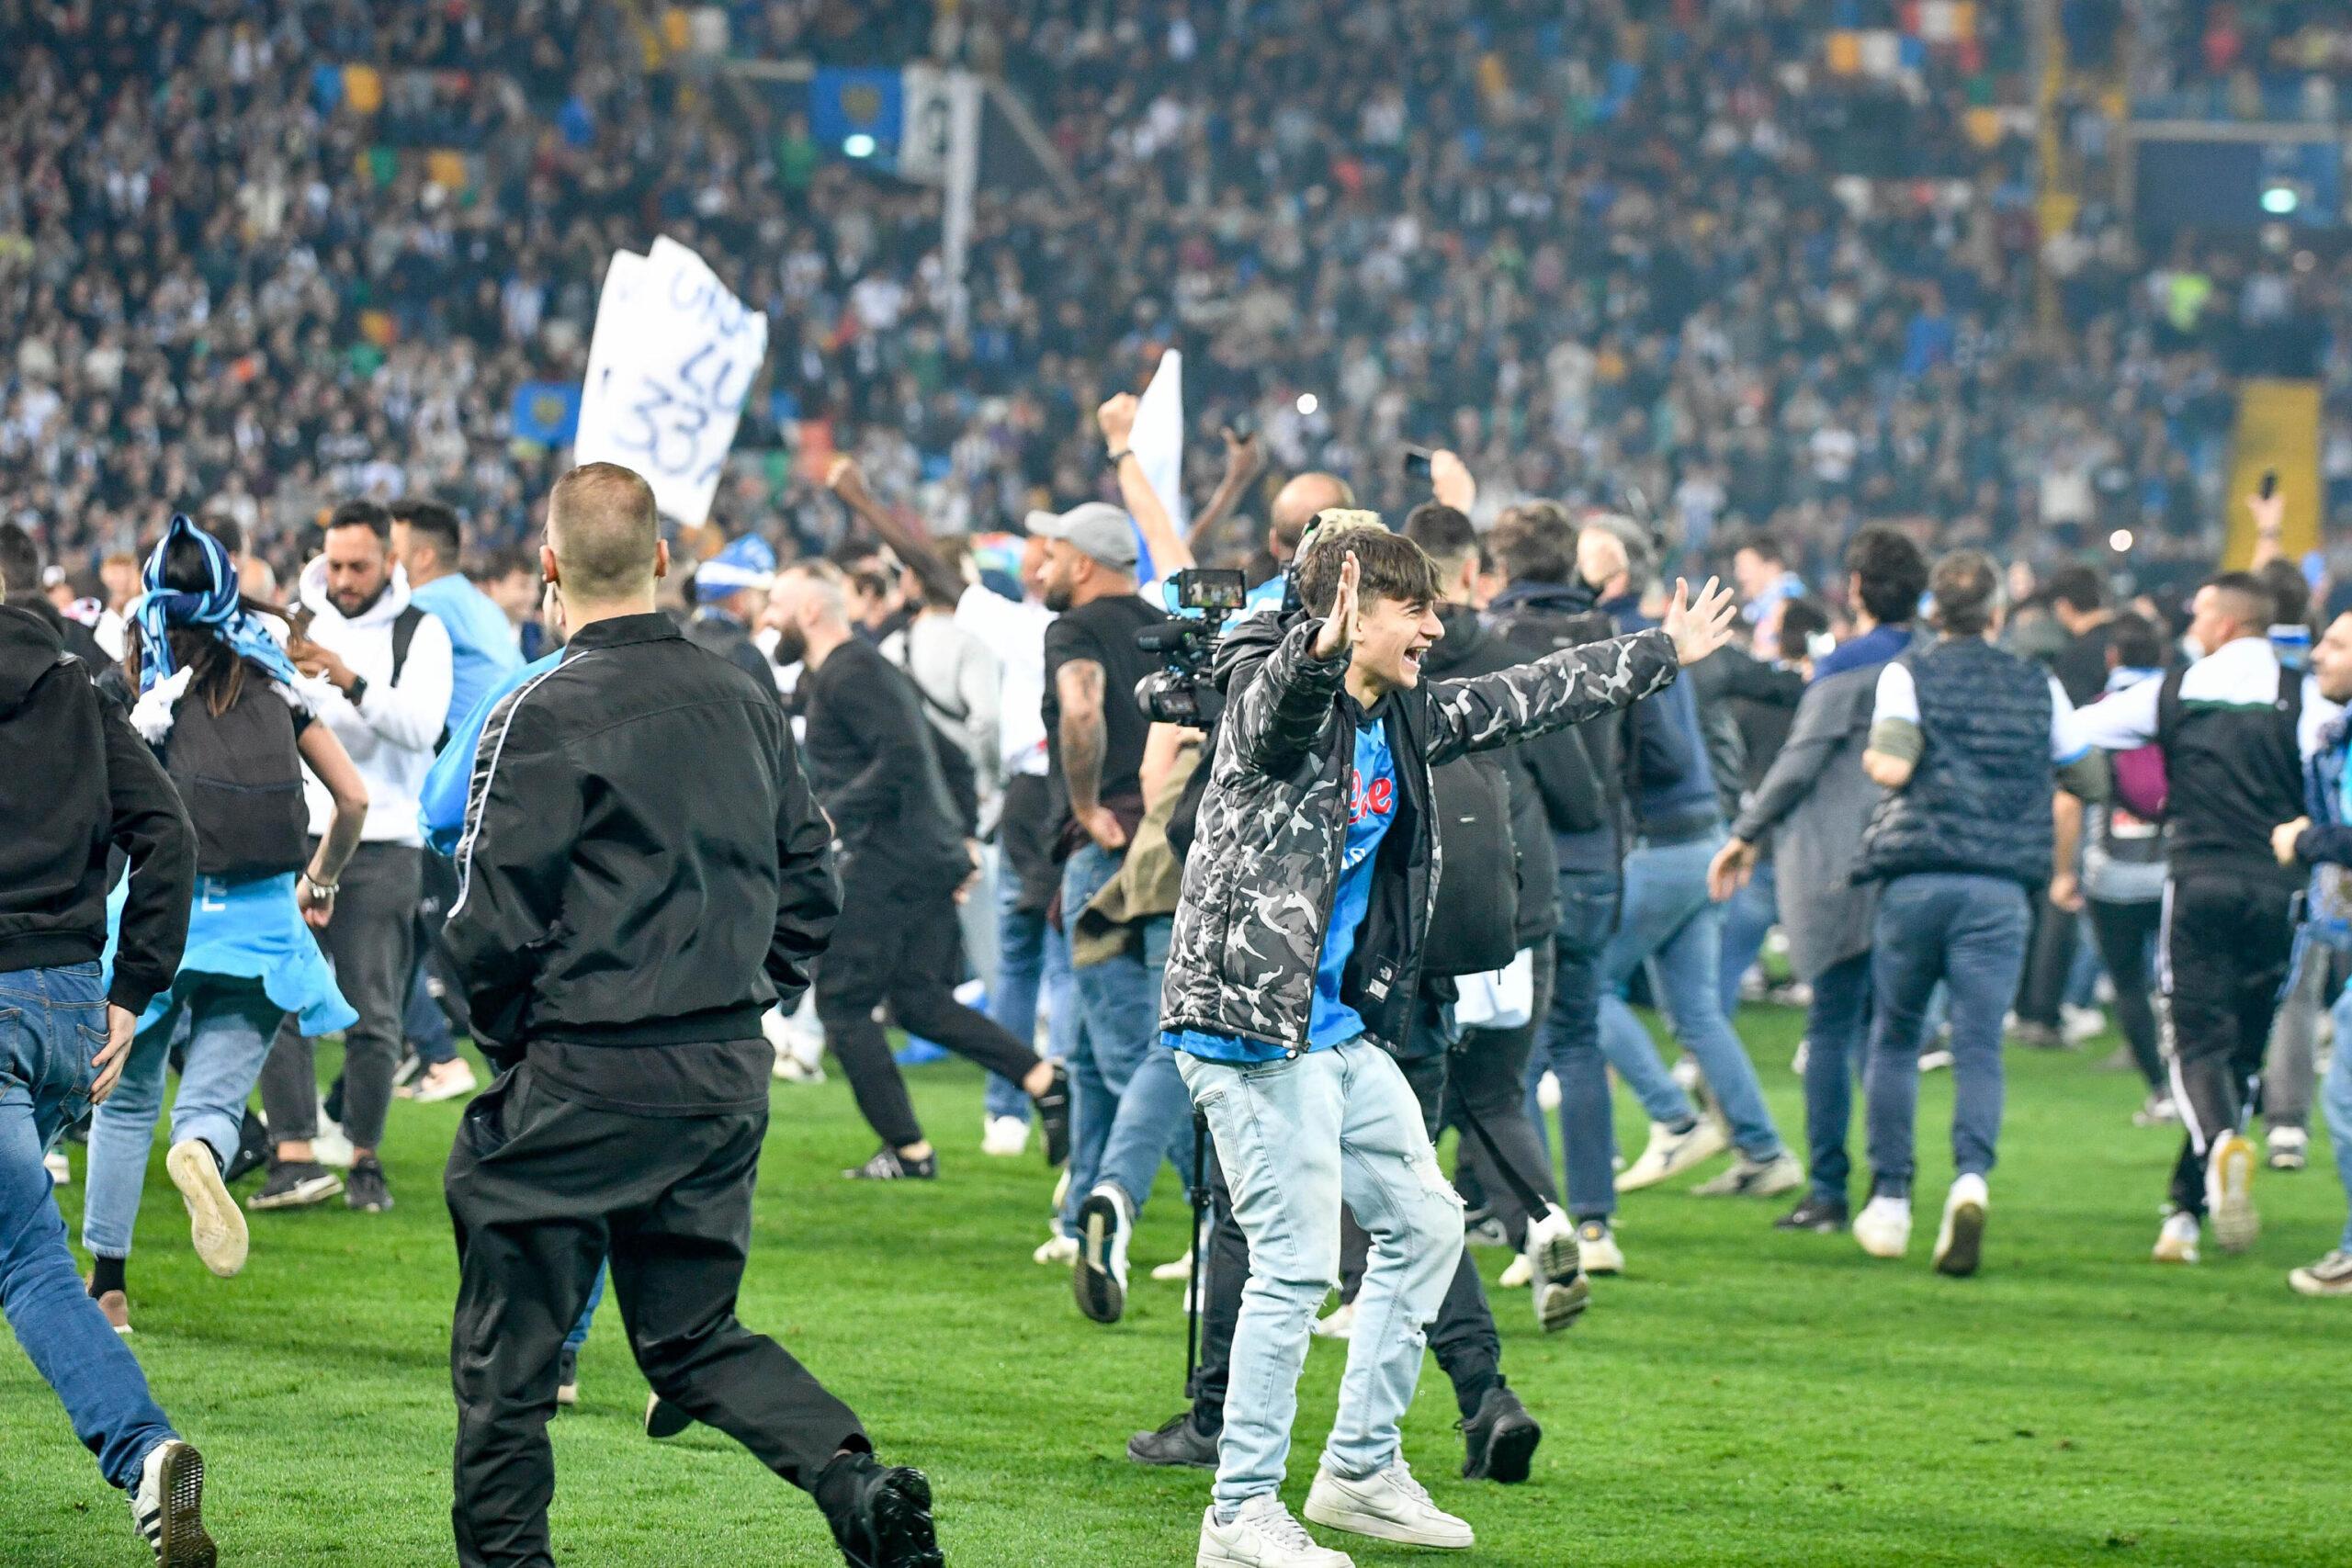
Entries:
{"x":1292,"y":976}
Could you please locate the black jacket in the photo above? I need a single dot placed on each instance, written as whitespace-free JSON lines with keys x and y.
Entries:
{"x":1264,"y":868}
{"x":641,"y":865}
{"x":1468,"y":649}
{"x":874,"y":761}
{"x":1584,"y":784}
{"x":723,"y":635}
{"x":76,"y":780}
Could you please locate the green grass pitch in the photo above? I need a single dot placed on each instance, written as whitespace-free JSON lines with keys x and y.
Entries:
{"x":1739,"y":1397}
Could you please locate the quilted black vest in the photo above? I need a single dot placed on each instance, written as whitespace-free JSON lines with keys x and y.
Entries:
{"x":1979,"y":799}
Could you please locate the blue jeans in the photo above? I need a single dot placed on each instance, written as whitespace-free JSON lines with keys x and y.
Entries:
{"x":579,"y":1335}
{"x":1155,"y":1122}
{"x":52,"y":1022}
{"x":1748,"y":917}
{"x":427,"y":1026}
{"x":1117,"y":1004}
{"x":1970,"y":932}
{"x":1571,"y":1045}
{"x":1296,"y":1138}
{"x":1671,"y":924}
{"x":1031,"y":957}
{"x":2335,"y":1105}
{"x":230,"y":1022}
{"x":1837,"y":1032}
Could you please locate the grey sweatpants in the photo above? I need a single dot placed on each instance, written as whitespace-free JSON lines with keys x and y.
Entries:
{"x":371,"y":942}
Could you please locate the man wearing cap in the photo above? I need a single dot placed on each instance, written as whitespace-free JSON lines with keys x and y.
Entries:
{"x":728,"y":591}
{"x":1094,"y":737}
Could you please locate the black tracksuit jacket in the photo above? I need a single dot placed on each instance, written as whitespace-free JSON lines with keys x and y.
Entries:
{"x":642,"y":864}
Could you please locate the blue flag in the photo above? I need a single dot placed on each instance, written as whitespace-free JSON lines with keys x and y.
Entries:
{"x":547,"y":412}
{"x":846,"y":104}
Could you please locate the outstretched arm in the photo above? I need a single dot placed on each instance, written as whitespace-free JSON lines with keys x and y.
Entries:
{"x":847,"y":480}
{"x":1576,"y":683}
{"x":1243,"y":459}
{"x":1170,"y":551}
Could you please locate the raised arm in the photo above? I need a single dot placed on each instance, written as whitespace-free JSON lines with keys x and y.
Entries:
{"x":1244,"y":459}
{"x":1576,"y":683}
{"x":847,"y":480}
{"x":1169,"y":550}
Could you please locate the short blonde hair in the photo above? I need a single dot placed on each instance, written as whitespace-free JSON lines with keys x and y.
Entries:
{"x":605,"y":531}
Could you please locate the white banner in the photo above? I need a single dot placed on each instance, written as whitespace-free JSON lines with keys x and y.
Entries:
{"x":673,"y":355}
{"x":1157,"y":439}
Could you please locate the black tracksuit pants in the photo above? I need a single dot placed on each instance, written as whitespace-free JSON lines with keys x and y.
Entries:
{"x":2229,"y":938}
{"x":897,"y":941}
{"x":540,"y":1189}
{"x":1462,"y":1339}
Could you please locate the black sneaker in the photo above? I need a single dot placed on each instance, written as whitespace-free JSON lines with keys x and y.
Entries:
{"x":663,"y":1419}
{"x":367,"y":1192}
{"x":567,"y":1376}
{"x":1815,"y":1215}
{"x":253,"y":1148}
{"x":1053,"y":1117}
{"x":1499,"y":1440}
{"x":889,"y":1164}
{"x":881,"y":1516}
{"x":1180,"y":1443}
{"x":296,"y":1184}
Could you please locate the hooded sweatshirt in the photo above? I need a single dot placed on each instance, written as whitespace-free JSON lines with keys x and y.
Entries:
{"x":75,"y":782}
{"x":392,"y":731}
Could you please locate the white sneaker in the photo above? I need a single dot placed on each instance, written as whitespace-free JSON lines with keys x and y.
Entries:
{"x":2078,"y":1026}
{"x":1597,"y":1248}
{"x":1169,"y":1273}
{"x":1883,"y":1227}
{"x":1057,"y":1250}
{"x":1339,"y":1325}
{"x":1262,"y":1535}
{"x":328,"y":1146}
{"x":2176,"y":1242}
{"x":167,"y":1505}
{"x":445,"y":1080}
{"x":1669,"y":1154}
{"x":1937,"y":1060}
{"x":1388,"y":1505}
{"x":1754,"y":1179}
{"x":2229,"y":1192}
{"x":2289,"y":1149}
{"x":1960,"y":1240}
{"x":1551,"y":1250}
{"x":61,"y":1172}
{"x":1517,"y":1274}
{"x":799,"y":1051}
{"x":1685,"y":1073}
{"x":1804,"y":1054}
{"x":215,"y":1225}
{"x":1098,"y":1280}
{"x":1547,"y":1092}
{"x":1005,"y":1137}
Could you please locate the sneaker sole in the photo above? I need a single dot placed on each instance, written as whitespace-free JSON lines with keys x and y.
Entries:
{"x":904,"y":1536}
{"x":318,"y":1190}
{"x":1559,"y":1305}
{"x":1558,"y":1256}
{"x":2306,"y":1284}
{"x":1356,"y":1521}
{"x":1510,"y":1452}
{"x":184,"y":1544}
{"x":215,"y":1225}
{"x":1100,"y":1295}
{"x":1960,"y":1251}
{"x":2236,"y":1224}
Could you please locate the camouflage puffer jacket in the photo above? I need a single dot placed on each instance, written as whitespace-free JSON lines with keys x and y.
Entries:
{"x":1265,"y":864}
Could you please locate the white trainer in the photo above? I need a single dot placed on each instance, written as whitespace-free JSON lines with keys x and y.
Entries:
{"x":1388,"y":1505}
{"x":2081,"y":1025}
{"x":1057,"y":1250}
{"x":2229,"y":1192}
{"x":1517,"y":1274}
{"x":1669,"y":1154}
{"x":1960,"y":1240}
{"x":1597,"y":1248}
{"x":1169,"y":1273}
{"x":1005,"y":1137}
{"x":1552,"y":1245}
{"x":1883,"y":1227}
{"x":215,"y":1225}
{"x":1262,"y":1535}
{"x":1547,"y":1092}
{"x":61,"y":1172}
{"x":167,"y":1505}
{"x":1339,"y":1325}
{"x":1098,"y":1280}
{"x":2176,"y":1242}
{"x":451,"y":1080}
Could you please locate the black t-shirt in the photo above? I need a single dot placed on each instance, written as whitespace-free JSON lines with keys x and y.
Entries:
{"x":1104,"y":632}
{"x":2081,"y":665}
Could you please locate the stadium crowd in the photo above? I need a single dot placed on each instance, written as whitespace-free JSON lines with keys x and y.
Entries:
{"x":1676,"y":263}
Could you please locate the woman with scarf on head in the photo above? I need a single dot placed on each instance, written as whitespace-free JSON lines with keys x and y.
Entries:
{"x":225,"y":710}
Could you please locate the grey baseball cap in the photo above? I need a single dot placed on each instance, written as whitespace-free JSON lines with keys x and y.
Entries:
{"x":1094,"y":528}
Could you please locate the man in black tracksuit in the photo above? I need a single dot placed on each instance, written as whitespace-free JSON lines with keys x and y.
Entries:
{"x":620,"y":925}
{"x":2228,"y":727}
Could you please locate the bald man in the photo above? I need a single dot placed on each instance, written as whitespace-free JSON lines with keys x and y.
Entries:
{"x":1295,"y":505}
{"x":620,"y":925}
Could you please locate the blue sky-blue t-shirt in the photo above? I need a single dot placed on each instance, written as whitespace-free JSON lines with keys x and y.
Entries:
{"x":1371,"y":807}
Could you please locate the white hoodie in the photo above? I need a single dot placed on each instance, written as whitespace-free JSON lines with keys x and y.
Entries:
{"x":391,"y":733}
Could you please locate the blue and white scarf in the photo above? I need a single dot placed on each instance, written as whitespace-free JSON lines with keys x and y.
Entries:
{"x":216,"y":605}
